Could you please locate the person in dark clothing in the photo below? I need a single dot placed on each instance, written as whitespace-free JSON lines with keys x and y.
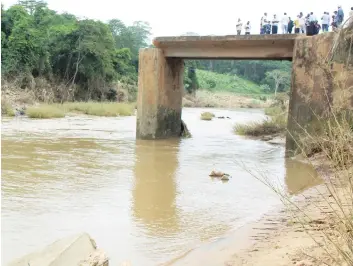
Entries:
{"x":290,"y":25}
{"x":317,"y":28}
{"x":275,"y":22}
{"x":311,"y":28}
{"x":334,"y":21}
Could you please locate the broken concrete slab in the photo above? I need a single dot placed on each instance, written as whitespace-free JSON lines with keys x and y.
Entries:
{"x":74,"y":250}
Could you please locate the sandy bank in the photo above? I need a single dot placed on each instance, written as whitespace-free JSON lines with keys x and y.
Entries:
{"x":297,"y":231}
{"x":288,"y":235}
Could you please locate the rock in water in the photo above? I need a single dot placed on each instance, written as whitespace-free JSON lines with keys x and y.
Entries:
{"x":217,"y":174}
{"x":225,"y":177}
{"x":184,"y":133}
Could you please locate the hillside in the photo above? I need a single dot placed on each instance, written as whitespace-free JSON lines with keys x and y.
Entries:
{"x":215,"y":82}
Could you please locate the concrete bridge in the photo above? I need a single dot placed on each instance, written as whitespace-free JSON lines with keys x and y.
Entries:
{"x":161,"y":69}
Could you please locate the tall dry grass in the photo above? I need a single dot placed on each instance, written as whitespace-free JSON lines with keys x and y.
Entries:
{"x":327,"y":144}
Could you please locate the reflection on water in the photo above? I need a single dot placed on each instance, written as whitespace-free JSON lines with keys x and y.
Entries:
{"x":143,"y":201}
{"x":154,"y":189}
{"x":300,"y":176}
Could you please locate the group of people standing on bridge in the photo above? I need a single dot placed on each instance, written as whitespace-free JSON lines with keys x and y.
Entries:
{"x":308,"y":24}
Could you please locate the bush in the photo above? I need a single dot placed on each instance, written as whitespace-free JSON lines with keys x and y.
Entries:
{"x":6,"y":109}
{"x":207,"y":116}
{"x":273,"y":111}
{"x":270,"y":126}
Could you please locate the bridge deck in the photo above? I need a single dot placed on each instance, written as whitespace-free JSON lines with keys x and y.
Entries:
{"x":265,"y":47}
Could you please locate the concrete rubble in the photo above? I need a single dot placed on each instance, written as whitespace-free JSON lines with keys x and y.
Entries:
{"x":76,"y":250}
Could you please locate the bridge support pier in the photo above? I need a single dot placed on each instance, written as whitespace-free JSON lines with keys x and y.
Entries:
{"x":160,"y":89}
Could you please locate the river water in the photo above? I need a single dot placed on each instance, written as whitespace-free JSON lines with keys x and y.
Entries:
{"x":146,"y":202}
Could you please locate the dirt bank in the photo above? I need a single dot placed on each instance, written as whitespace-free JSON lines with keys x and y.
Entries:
{"x":294,"y":235}
{"x":287,"y":235}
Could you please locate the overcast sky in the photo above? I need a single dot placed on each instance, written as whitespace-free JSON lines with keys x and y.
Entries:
{"x":176,"y":17}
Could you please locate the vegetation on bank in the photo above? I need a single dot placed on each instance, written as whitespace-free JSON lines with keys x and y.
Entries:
{"x":276,"y":123}
{"x":240,"y":76}
{"x":208,"y":116}
{"x":80,"y":58}
{"x":60,"y":58}
{"x":269,"y":126}
{"x":205,"y":98}
{"x":6,"y":109}
{"x":215,"y":82}
{"x":99,"y":108}
{"x":43,"y":111}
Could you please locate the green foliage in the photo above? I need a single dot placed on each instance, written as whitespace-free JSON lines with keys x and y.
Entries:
{"x":6,"y":109}
{"x":253,"y":70}
{"x":215,"y":82}
{"x":99,"y":109}
{"x":87,"y":56}
{"x":191,"y":81}
{"x":207,"y":116}
{"x":270,"y":126}
{"x":44,"y":112}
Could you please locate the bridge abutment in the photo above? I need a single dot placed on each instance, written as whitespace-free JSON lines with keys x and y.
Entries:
{"x":160,"y":89}
{"x":321,"y":83}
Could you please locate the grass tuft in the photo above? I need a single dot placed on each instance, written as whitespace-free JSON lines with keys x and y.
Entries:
{"x":44,"y":111}
{"x":6,"y":109}
{"x":207,"y":116}
{"x":99,"y":109}
{"x":268,"y":126}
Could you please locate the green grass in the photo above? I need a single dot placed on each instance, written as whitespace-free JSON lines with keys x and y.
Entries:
{"x":270,"y":126}
{"x":99,"y":109}
{"x":7,"y":110}
{"x":89,"y":108}
{"x":273,"y":111}
{"x":44,"y":111}
{"x":216,"y":82}
{"x":207,"y":116}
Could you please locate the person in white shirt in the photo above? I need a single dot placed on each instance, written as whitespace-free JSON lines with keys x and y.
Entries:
{"x":325,"y":22}
{"x":302,"y":23}
{"x":247,"y":28}
{"x":351,"y":16}
{"x":239,"y":26}
{"x":285,"y":21}
{"x":275,"y":22}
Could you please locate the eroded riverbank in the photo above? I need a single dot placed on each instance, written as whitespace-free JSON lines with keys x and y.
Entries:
{"x":143,"y":202}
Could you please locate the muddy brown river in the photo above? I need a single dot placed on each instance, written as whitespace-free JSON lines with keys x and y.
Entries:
{"x":146,"y":202}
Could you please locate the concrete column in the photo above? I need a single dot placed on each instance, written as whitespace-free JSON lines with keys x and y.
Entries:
{"x":159,"y":101}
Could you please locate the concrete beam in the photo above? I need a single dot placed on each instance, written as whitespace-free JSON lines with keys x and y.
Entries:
{"x":265,"y":47}
{"x":159,"y":101}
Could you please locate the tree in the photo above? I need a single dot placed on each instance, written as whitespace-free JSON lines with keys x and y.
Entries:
{"x":279,"y":77}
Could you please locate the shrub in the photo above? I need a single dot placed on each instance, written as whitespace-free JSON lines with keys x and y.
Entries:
{"x":44,"y":111}
{"x":268,"y":126}
{"x":207,"y":116}
{"x":6,"y":109}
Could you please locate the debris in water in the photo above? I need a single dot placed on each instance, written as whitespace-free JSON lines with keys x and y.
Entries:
{"x":221,"y":175}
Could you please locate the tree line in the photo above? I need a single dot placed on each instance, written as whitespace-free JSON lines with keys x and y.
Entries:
{"x":86,"y":57}
{"x":83,"y":55}
{"x":272,"y":76}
